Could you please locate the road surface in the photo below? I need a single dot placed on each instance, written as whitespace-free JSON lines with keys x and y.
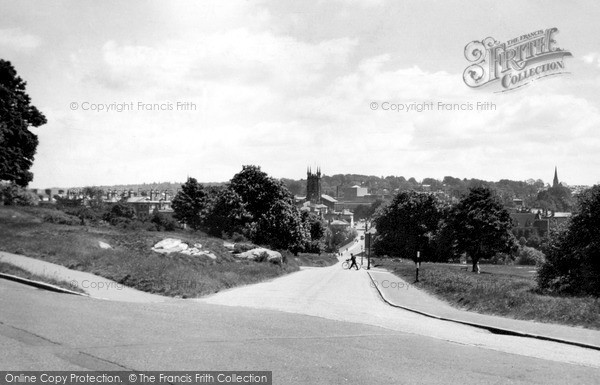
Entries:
{"x":317,"y":326}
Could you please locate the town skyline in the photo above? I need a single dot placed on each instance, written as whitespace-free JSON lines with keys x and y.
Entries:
{"x":150,"y":185}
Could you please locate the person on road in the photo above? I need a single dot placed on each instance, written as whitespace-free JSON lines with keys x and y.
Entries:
{"x":353,"y":259}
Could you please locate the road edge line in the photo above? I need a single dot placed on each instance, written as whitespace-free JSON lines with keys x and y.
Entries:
{"x":492,"y":329}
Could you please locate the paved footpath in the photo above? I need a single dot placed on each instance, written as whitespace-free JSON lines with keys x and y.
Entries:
{"x":398,"y":292}
{"x":95,"y":286}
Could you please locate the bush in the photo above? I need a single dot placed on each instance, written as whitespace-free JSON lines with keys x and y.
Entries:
{"x":119,"y":214}
{"x":13,"y":195}
{"x":237,"y":237}
{"x":501,"y":259}
{"x":58,"y":217}
{"x":530,"y":256}
{"x":85,"y":214}
{"x":163,"y":222}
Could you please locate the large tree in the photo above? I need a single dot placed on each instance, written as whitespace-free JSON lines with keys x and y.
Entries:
{"x":482,"y":226}
{"x":406,"y":225}
{"x":273,"y":217}
{"x":556,"y":198}
{"x":573,"y":257}
{"x":189,"y":205}
{"x":225,"y":212}
{"x":258,"y":190}
{"x":17,"y":115}
{"x":317,"y":228}
{"x":282,"y":227}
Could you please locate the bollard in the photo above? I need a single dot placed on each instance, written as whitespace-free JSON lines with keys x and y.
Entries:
{"x":418,"y":264}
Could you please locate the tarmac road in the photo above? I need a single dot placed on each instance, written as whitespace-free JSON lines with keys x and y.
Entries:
{"x":334,"y":341}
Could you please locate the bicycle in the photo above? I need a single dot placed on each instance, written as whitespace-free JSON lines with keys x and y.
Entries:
{"x":348,"y":262}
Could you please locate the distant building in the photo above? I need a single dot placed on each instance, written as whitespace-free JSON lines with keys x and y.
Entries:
{"x":313,"y":186}
{"x":355,"y":192}
{"x":145,"y":206}
{"x":324,"y":205}
{"x":555,"y":182}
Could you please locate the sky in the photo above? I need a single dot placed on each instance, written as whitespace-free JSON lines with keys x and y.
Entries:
{"x":201,"y":88}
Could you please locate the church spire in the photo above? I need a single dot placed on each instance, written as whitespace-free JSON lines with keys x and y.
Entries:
{"x":555,"y":181}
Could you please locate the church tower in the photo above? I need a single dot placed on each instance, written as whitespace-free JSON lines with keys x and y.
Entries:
{"x":313,"y":186}
{"x":555,"y":181}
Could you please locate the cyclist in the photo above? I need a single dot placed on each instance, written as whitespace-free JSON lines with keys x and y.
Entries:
{"x":353,"y":259}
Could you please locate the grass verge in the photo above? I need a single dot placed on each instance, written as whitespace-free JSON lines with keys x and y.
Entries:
{"x":11,"y":269}
{"x":509,"y":291}
{"x":130,"y":261}
{"x":315,"y":260}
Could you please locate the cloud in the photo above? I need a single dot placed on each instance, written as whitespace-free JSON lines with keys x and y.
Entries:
{"x":14,"y":38}
{"x":592,"y":58}
{"x":286,"y":95}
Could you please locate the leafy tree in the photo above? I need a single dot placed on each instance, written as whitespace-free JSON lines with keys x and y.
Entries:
{"x":118,"y":214}
{"x":282,"y":228}
{"x":258,"y":191}
{"x":366,"y":211}
{"x":189,"y":205}
{"x":482,"y":226}
{"x":434,"y":183}
{"x":163,"y":222}
{"x":556,"y":198}
{"x":316,"y":227}
{"x":573,"y":255}
{"x":94,"y":196}
{"x":225,"y":211}
{"x":295,"y":187}
{"x":17,"y":143}
{"x":337,"y":236}
{"x":406,"y":225}
{"x":443,"y":242}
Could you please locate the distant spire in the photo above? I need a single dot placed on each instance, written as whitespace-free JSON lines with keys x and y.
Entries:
{"x":555,"y":181}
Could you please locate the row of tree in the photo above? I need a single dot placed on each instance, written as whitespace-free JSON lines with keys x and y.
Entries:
{"x":478,"y":225}
{"x":255,"y":205}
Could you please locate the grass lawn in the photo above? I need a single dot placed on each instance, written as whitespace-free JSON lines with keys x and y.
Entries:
{"x":131,"y":261}
{"x":509,"y":291}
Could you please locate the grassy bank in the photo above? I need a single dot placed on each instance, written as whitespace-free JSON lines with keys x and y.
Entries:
{"x":130,"y":261}
{"x":509,"y":291}
{"x":11,"y":269}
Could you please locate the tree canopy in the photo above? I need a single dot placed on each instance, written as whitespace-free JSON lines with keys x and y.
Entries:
{"x":17,"y":144}
{"x":406,"y":225}
{"x":573,"y":256}
{"x":253,"y":203}
{"x":189,"y":205}
{"x":482,"y":226}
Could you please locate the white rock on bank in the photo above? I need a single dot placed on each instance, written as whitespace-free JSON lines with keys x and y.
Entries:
{"x":254,"y":254}
{"x":170,"y":245}
{"x":104,"y":245}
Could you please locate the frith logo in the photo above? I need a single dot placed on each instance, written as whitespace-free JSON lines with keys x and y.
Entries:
{"x":516,"y":62}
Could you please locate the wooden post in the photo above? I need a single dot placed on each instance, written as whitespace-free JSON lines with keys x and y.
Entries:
{"x":418,"y":264}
